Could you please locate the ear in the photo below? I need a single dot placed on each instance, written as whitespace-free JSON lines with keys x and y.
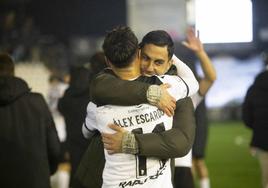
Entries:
{"x":170,"y":62}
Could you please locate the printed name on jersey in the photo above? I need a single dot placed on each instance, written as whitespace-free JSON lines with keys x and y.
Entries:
{"x":132,"y":183}
{"x":126,"y":170}
{"x":139,"y":119}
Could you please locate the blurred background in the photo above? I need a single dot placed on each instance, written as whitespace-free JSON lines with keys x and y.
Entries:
{"x":47,"y":37}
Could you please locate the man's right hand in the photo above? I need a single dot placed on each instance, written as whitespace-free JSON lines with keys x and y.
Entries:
{"x":166,"y":103}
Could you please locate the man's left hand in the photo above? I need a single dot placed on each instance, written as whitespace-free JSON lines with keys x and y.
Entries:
{"x":113,"y":142}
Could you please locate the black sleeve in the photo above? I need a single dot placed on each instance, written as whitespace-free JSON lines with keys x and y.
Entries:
{"x":53,"y":148}
{"x":175,"y":142}
{"x":89,"y":171}
{"x":53,"y":143}
{"x":247,"y":109}
{"x":108,"y":89}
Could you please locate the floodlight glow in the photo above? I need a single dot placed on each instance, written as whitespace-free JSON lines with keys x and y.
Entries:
{"x":224,"y":21}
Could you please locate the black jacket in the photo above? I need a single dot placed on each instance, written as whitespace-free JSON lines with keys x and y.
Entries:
{"x":73,"y":107}
{"x":28,"y":139}
{"x":255,"y":111}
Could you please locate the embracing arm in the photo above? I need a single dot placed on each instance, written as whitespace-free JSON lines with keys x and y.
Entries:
{"x":108,"y":89}
{"x":186,"y":74}
{"x":172,"y":143}
{"x":175,"y":142}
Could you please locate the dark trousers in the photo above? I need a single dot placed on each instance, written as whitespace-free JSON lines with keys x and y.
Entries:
{"x":183,"y":178}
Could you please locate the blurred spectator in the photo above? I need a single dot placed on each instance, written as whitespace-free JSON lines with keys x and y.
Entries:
{"x":183,"y":176}
{"x":255,"y":117}
{"x":205,"y":82}
{"x":97,"y":63}
{"x":29,"y":143}
{"x":73,"y":106}
{"x":57,"y":87}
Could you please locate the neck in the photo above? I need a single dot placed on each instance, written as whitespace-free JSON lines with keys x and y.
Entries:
{"x":128,"y":73}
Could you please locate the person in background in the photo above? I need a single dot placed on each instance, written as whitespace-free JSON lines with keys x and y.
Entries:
{"x":30,"y":147}
{"x":56,"y":89}
{"x":255,"y":117}
{"x":72,"y":105}
{"x":183,"y":165}
{"x":97,"y":63}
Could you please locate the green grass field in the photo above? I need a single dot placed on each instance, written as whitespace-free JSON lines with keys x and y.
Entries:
{"x":228,"y":159}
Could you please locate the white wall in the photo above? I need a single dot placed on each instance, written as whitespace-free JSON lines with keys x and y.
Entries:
{"x":35,"y":74}
{"x":147,"y":15}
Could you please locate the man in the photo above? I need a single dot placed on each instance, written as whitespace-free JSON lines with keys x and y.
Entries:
{"x":159,"y":62}
{"x":127,"y":73}
{"x":156,"y":60}
{"x":254,"y":116}
{"x":72,"y":105}
{"x":29,"y":143}
{"x":205,"y":83}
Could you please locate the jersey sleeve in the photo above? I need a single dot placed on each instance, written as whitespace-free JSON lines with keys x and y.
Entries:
{"x":187,"y":75}
{"x":109,"y":89}
{"x":175,"y":142}
{"x":196,"y":99}
{"x":89,"y":126}
{"x":178,"y":89}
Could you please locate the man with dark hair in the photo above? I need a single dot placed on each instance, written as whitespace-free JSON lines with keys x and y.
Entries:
{"x":254,"y":116}
{"x":29,"y":143}
{"x":179,"y":139}
{"x":160,"y":42}
{"x":120,"y":53}
{"x":156,"y":52}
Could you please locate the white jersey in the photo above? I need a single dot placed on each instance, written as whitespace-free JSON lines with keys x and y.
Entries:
{"x":178,"y":90}
{"x":127,"y":170}
{"x":185,"y":161}
{"x":187,"y":75}
{"x":196,"y":99}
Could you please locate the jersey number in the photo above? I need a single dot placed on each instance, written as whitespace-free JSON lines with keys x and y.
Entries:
{"x":141,"y":169}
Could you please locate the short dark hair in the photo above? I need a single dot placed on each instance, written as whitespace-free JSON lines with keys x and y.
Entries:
{"x":159,"y":38}
{"x":120,"y":46}
{"x":6,"y":65}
